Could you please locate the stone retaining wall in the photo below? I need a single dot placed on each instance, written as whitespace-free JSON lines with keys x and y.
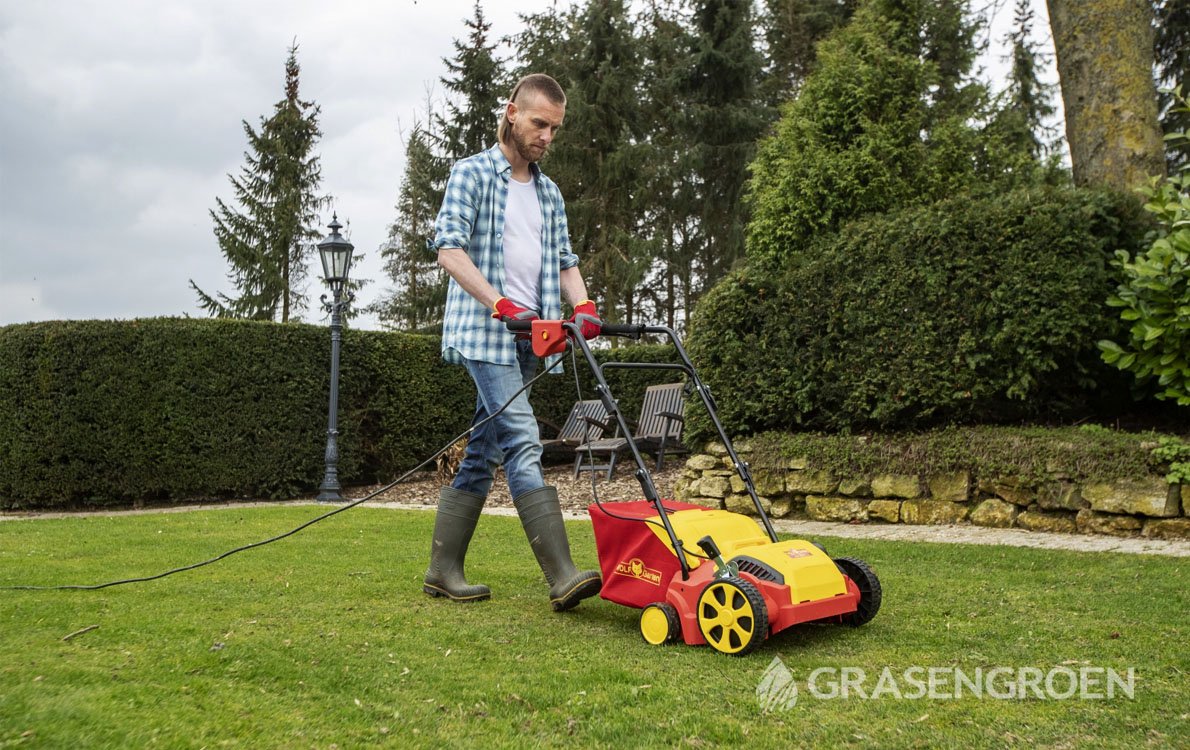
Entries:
{"x":1148,"y":506}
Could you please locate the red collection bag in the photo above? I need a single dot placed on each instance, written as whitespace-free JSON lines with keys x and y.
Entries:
{"x":636,"y":565}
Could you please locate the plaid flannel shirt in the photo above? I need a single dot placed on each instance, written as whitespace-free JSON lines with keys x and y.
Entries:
{"x":472,"y":218}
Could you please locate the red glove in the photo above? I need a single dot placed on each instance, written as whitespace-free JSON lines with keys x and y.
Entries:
{"x":587,"y":317}
{"x":506,"y":309}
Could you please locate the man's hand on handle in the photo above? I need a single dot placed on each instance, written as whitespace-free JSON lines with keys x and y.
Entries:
{"x":587,"y":318}
{"x":506,"y":309}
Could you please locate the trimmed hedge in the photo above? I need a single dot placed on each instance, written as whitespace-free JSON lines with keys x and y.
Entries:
{"x":110,"y":412}
{"x":965,"y":311}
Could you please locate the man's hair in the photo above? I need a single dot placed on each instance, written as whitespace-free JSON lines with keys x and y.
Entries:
{"x":534,"y":83}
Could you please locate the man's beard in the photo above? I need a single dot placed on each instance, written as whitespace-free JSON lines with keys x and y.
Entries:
{"x":528,"y":151}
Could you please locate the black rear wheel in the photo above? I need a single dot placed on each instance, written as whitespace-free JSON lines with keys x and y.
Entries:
{"x":869,"y":589}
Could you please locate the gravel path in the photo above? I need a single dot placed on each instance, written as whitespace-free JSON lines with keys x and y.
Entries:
{"x":421,"y":493}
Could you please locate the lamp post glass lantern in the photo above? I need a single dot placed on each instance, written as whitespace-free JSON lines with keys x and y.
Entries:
{"x":336,"y":264}
{"x":336,"y":256}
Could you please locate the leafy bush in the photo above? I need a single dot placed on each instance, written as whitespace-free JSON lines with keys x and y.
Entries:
{"x":101,"y":412}
{"x":1154,"y":295}
{"x":962,"y":311}
{"x":1174,"y":454}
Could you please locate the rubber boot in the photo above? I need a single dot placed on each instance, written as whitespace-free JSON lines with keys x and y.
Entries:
{"x":541,"y":515}
{"x":458,"y":512}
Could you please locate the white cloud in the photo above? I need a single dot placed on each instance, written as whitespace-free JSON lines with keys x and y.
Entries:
{"x":16,"y":299}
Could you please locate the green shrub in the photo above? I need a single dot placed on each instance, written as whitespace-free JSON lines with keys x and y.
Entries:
{"x":875,"y":125}
{"x":1174,"y":454}
{"x":102,"y":412}
{"x":962,"y":311}
{"x":1154,"y":295}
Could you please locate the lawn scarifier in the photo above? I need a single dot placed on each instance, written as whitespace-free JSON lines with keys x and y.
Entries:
{"x":746,"y":585}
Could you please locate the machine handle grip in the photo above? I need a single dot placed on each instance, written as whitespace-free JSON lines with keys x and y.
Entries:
{"x":631,"y":331}
{"x":607,"y":329}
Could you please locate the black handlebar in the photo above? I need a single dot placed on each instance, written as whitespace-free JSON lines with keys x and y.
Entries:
{"x":622,"y":329}
{"x":607,"y":329}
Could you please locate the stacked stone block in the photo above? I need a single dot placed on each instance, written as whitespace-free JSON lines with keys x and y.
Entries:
{"x":1144,"y":506}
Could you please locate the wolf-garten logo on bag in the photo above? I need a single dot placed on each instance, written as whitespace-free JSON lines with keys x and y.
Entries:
{"x":636,"y":568}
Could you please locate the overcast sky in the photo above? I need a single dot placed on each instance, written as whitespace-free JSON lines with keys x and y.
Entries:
{"x":121,"y":119}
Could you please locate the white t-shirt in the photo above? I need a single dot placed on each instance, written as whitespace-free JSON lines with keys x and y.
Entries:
{"x":522,"y":245}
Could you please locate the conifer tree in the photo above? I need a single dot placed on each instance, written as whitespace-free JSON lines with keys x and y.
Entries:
{"x":268,"y":240}
{"x":791,"y":29}
{"x":597,"y":159}
{"x":477,"y":82}
{"x":668,"y":205}
{"x":872,"y":128}
{"x":725,"y":118}
{"x":1027,"y":103}
{"x":419,"y":297}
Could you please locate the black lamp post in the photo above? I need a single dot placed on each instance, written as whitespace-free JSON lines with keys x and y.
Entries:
{"x":336,"y":262}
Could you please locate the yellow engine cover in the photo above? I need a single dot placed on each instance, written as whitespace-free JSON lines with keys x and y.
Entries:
{"x":731,"y":531}
{"x":808,"y":571}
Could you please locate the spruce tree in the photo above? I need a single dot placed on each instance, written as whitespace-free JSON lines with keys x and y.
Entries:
{"x":668,"y":194}
{"x":792,"y":28}
{"x":419,"y":297}
{"x":477,"y":82}
{"x":725,"y":118}
{"x":1027,"y":102}
{"x":268,"y":240}
{"x":475,"y":79}
{"x":598,"y":156}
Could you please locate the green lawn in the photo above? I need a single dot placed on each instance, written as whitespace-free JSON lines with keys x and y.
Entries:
{"x":325,"y":639}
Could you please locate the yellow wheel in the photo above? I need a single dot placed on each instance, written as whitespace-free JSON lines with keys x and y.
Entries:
{"x":732,"y":616}
{"x":659,"y":624}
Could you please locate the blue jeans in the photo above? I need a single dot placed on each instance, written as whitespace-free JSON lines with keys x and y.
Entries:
{"x":511,"y":438}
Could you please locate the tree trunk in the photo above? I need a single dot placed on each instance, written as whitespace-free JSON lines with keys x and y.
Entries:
{"x":1104,"y":52}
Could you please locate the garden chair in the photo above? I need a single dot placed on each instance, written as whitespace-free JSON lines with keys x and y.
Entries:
{"x":658,"y":431}
{"x":587,"y":421}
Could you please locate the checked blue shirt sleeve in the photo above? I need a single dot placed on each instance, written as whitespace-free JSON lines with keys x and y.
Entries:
{"x":457,"y":216}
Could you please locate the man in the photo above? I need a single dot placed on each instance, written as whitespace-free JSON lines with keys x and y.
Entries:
{"x":502,"y":237}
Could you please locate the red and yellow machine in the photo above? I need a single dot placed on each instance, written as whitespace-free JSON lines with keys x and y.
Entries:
{"x":745,"y":584}
{"x":743,"y":587}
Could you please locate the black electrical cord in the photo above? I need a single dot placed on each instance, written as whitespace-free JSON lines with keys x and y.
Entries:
{"x":307,"y":524}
